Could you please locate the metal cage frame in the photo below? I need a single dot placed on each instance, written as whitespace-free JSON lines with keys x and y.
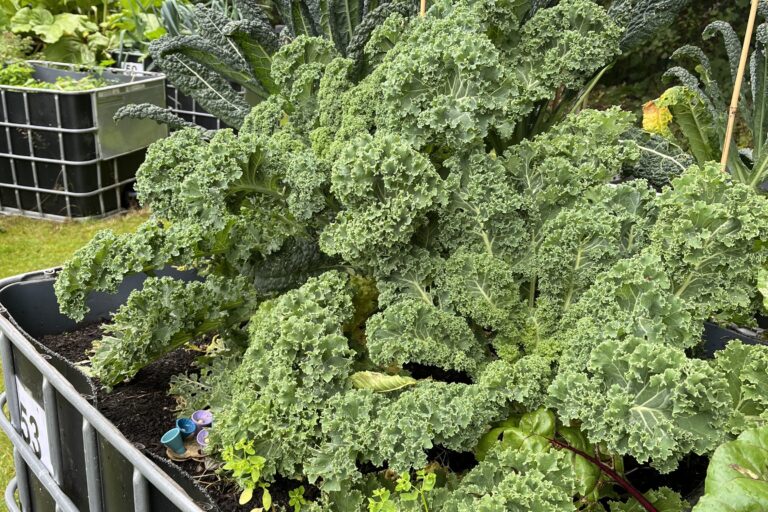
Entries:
{"x":104,"y":158}
{"x":55,"y":387}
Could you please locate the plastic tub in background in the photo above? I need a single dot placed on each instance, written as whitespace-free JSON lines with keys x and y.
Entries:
{"x":61,"y":153}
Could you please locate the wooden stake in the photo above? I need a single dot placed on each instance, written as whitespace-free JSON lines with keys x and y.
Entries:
{"x":423,"y":11}
{"x":737,"y":86}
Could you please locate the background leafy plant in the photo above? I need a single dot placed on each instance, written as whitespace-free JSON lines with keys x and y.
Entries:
{"x":693,"y":115}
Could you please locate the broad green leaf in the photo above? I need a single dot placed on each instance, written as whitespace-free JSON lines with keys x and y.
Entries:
{"x":737,"y":476}
{"x":69,"y":49}
{"x":28,"y":19}
{"x":541,"y":422}
{"x":587,"y":474}
{"x":380,"y":382}
{"x":695,"y":122}
{"x":488,"y":441}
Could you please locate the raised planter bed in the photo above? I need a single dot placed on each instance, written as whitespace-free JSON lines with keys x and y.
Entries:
{"x":66,"y":453}
{"x":62,"y":155}
{"x":75,"y":457}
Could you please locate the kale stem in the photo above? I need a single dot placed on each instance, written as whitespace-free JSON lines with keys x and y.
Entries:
{"x":611,"y":473}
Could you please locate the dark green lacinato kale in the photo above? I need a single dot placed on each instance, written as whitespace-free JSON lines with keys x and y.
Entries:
{"x":694,"y":114}
{"x":642,"y":19}
{"x":226,"y":65}
{"x":661,"y":160}
{"x":393,"y":271}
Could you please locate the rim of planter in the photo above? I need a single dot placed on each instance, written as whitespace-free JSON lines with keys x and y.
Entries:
{"x":136,"y":77}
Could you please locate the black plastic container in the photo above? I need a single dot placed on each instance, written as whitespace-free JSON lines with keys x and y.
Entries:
{"x":62,"y":155}
{"x":30,"y":303}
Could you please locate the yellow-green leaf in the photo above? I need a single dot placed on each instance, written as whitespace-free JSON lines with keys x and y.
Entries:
{"x":246,"y":496}
{"x":656,"y":119}
{"x":266,"y":500}
{"x":380,"y":382}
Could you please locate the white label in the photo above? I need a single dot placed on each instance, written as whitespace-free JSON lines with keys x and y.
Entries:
{"x":133,"y":66}
{"x":33,"y":425}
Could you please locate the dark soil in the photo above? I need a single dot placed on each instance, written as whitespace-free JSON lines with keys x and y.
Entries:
{"x":686,"y":479}
{"x":129,"y":405}
{"x":421,"y":371}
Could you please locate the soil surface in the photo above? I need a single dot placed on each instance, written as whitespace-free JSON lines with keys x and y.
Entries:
{"x":129,"y":405}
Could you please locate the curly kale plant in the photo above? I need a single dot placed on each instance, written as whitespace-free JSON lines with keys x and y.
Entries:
{"x":394,"y":273}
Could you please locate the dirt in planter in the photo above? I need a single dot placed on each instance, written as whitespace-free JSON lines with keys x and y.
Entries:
{"x":129,"y":405}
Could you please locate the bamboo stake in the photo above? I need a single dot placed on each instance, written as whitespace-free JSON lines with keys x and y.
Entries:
{"x":737,"y":86}
{"x":423,"y":11}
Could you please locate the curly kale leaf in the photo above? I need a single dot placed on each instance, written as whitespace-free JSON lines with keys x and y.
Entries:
{"x":708,"y":234}
{"x":361,"y":425}
{"x":102,"y":264}
{"x":557,"y":167}
{"x":297,"y":70}
{"x":483,"y":288}
{"x":297,"y":359}
{"x":745,"y":368}
{"x":483,"y":210}
{"x":645,"y":399}
{"x":440,"y":86}
{"x":633,"y":299}
{"x":516,"y":480}
{"x":583,"y":242}
{"x":164,"y":315}
{"x":414,"y":331}
{"x":562,"y":46}
{"x":386,"y":189}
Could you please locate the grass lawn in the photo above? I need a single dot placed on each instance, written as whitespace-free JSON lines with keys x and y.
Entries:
{"x":30,"y":244}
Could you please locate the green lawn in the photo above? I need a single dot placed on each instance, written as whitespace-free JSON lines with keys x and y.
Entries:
{"x":30,"y":244}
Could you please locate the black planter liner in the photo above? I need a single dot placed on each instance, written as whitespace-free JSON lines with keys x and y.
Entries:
{"x":32,"y":307}
{"x":61,"y":155}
